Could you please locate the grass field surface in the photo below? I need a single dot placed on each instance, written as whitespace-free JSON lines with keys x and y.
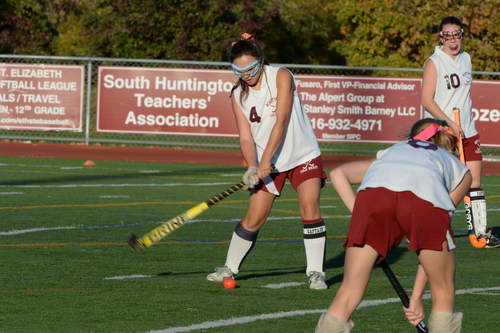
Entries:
{"x":66,"y":266}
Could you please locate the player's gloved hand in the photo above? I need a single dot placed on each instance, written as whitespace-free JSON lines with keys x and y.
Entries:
{"x":250,"y":177}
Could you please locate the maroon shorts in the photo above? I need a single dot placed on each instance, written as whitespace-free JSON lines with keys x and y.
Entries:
{"x":381,"y":218}
{"x":297,"y":175}
{"x":472,"y":148}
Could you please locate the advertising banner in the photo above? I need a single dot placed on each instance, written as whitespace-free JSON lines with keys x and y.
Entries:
{"x":341,"y":108}
{"x":486,"y":109}
{"x":41,"y":97}
{"x":362,"y":109}
{"x":165,"y":101}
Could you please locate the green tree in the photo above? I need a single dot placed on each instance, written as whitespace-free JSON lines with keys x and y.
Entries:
{"x":30,"y":26}
{"x":389,"y":33}
{"x":300,"y":33}
{"x":403,"y":33}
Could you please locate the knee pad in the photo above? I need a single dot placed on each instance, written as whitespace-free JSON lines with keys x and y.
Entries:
{"x":331,"y":324}
{"x":445,"y":322}
{"x":476,"y":212}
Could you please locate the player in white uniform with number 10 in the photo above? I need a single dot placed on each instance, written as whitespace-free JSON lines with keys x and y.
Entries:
{"x":278,"y":143}
{"x":447,"y":83}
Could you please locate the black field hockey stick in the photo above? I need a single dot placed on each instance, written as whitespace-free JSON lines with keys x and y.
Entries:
{"x":175,"y":223}
{"x":421,"y":327}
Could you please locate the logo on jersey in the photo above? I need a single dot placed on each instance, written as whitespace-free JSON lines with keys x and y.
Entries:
{"x":468,"y":78}
{"x":477,"y":143}
{"x":271,"y":104}
{"x":308,"y":166}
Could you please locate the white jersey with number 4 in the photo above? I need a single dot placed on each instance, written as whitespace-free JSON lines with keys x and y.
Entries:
{"x":428,"y":171}
{"x":453,"y":85}
{"x":299,"y":144}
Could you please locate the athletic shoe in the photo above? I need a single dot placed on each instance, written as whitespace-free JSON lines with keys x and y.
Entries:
{"x":220,"y":274}
{"x":317,"y":280}
{"x":493,"y":241}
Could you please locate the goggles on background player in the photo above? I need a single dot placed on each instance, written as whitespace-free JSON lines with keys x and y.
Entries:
{"x":450,"y":35}
{"x":431,"y":130}
{"x":241,"y":72}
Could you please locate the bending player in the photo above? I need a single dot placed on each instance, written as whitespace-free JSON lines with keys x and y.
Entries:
{"x":278,"y":143}
{"x":410,"y":190}
{"x":447,"y":82}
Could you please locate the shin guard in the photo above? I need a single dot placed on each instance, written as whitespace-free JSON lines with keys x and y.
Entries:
{"x":477,"y":211}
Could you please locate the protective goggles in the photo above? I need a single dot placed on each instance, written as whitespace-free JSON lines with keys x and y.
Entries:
{"x":450,"y":35}
{"x":430,"y":131}
{"x":240,"y":72}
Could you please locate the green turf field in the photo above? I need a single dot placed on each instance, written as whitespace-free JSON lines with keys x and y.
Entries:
{"x":65,"y":265}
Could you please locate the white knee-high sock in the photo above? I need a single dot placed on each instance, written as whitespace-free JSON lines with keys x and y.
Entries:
{"x":241,"y":244}
{"x":314,"y":243}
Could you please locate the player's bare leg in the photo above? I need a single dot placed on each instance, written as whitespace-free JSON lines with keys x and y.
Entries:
{"x":439,"y":267}
{"x":259,"y":207}
{"x":359,"y":263}
{"x":475,"y":168}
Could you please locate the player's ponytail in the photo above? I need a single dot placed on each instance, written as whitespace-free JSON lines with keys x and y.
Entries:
{"x":436,"y":131}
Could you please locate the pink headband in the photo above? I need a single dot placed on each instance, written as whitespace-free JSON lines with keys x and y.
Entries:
{"x":430,"y":131}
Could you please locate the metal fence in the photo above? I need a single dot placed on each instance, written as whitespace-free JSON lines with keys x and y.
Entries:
{"x":89,"y":135}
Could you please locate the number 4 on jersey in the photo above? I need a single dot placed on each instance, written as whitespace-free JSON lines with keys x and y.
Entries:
{"x":254,"y":117}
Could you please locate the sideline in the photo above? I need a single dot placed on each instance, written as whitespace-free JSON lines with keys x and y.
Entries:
{"x":277,"y":315}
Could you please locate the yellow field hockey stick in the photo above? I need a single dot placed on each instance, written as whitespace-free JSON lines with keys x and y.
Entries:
{"x":175,"y":223}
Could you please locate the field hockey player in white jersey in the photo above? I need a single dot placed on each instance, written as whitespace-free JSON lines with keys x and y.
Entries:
{"x":447,"y":83}
{"x":278,"y":143}
{"x":411,"y":191}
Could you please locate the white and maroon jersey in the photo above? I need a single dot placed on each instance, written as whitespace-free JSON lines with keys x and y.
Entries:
{"x":427,"y":170}
{"x":453,"y":87}
{"x":299,"y":144}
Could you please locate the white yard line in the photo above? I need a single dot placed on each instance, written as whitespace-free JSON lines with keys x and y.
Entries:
{"x":120,"y":225}
{"x":277,"y":315}
{"x":27,"y":231}
{"x":282,"y":285}
{"x":491,"y":158}
{"x":125,"y":277}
